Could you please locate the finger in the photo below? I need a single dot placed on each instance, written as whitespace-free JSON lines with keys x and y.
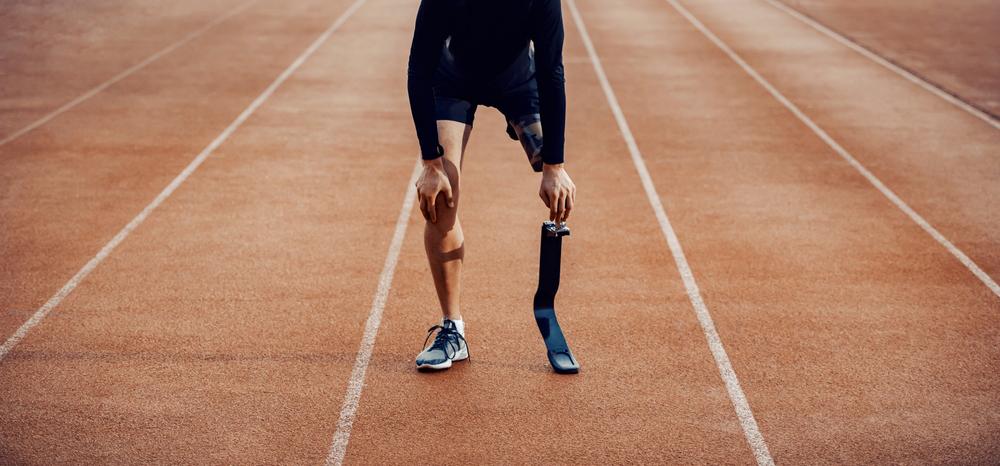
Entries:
{"x":553,"y":207}
{"x":545,"y":198}
{"x":561,"y":210}
{"x":448,"y":196}
{"x":432,"y":209}
{"x":423,"y":208}
{"x":569,"y":207}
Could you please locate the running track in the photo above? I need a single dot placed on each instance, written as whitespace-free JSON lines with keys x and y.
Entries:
{"x":784,"y":251}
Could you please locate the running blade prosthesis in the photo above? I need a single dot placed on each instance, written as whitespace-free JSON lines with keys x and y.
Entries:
{"x":560,"y":357}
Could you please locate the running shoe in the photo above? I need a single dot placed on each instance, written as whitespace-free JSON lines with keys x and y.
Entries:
{"x":449,"y":345}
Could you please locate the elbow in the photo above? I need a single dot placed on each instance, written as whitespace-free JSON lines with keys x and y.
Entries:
{"x":417,"y":79}
{"x":420,"y":70}
{"x":553,"y":77}
{"x":558,"y":74}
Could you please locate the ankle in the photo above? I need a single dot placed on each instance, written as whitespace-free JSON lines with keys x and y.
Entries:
{"x":459,"y":324}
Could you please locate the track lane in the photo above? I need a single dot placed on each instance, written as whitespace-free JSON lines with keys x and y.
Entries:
{"x":857,"y":338}
{"x":938,"y":159}
{"x":51,"y":52}
{"x":743,"y":411}
{"x":67,"y":188}
{"x":951,"y":44}
{"x":648,"y":390}
{"x":224,"y":328}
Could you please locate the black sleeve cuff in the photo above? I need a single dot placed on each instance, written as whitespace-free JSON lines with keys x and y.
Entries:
{"x":432,"y":153}
{"x":552,"y":158}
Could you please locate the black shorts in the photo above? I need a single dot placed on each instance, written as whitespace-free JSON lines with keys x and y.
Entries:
{"x":514,"y":91}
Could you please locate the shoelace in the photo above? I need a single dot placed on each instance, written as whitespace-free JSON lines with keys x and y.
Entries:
{"x":446,"y":339}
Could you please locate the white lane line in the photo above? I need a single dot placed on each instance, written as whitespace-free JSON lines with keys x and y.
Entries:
{"x":132,"y":225}
{"x":964,"y":259}
{"x":736,"y":395}
{"x":124,"y":74}
{"x":909,"y":76}
{"x":357,"y":382}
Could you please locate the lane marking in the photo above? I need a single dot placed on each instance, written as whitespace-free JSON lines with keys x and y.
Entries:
{"x":736,"y":395}
{"x":338,"y":449}
{"x":124,"y":74}
{"x":919,"y":220}
{"x":908,"y":75}
{"x":132,"y":225}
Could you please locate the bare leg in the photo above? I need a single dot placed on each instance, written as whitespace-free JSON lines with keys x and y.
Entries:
{"x":443,"y":241}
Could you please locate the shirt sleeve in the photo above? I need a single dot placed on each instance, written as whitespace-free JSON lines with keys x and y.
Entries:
{"x":548,"y":34}
{"x":429,"y":35}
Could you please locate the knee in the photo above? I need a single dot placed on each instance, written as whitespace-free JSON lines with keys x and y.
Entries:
{"x":446,"y":228}
{"x":447,"y":217}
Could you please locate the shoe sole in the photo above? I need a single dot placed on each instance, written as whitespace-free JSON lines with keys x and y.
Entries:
{"x":461,"y":356}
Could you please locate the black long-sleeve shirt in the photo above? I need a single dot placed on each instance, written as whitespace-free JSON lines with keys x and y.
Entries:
{"x":486,"y":37}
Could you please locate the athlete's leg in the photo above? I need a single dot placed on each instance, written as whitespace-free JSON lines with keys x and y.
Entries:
{"x":528,"y":130}
{"x":443,"y":241}
{"x":519,"y":105}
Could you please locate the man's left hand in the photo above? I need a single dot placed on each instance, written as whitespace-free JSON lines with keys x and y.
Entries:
{"x":557,"y":192}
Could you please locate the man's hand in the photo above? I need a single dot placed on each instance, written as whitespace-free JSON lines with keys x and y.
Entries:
{"x":432,"y":182}
{"x":557,"y":192}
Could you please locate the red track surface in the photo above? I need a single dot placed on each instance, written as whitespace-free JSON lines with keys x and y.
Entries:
{"x":953,"y":44}
{"x":226,"y":327}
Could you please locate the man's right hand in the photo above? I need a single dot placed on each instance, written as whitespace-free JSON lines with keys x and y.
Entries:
{"x":433,"y":182}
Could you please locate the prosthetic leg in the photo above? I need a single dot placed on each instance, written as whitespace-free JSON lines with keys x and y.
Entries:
{"x":560,"y":357}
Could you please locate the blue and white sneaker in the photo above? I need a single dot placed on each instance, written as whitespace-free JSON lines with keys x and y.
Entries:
{"x":449,"y":345}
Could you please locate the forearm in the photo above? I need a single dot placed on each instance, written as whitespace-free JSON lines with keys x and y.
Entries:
{"x":421,"y":96}
{"x":425,"y":51}
{"x":552,"y":98}
{"x":548,"y":35}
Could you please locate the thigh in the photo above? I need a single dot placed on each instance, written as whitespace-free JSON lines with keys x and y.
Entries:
{"x":454,"y":109}
{"x":452,"y":101}
{"x":453,"y":137}
{"x":520,"y":107}
{"x":528,"y":130}
{"x":520,"y":104}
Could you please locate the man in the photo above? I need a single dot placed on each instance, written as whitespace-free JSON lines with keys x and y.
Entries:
{"x":505,"y":54}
